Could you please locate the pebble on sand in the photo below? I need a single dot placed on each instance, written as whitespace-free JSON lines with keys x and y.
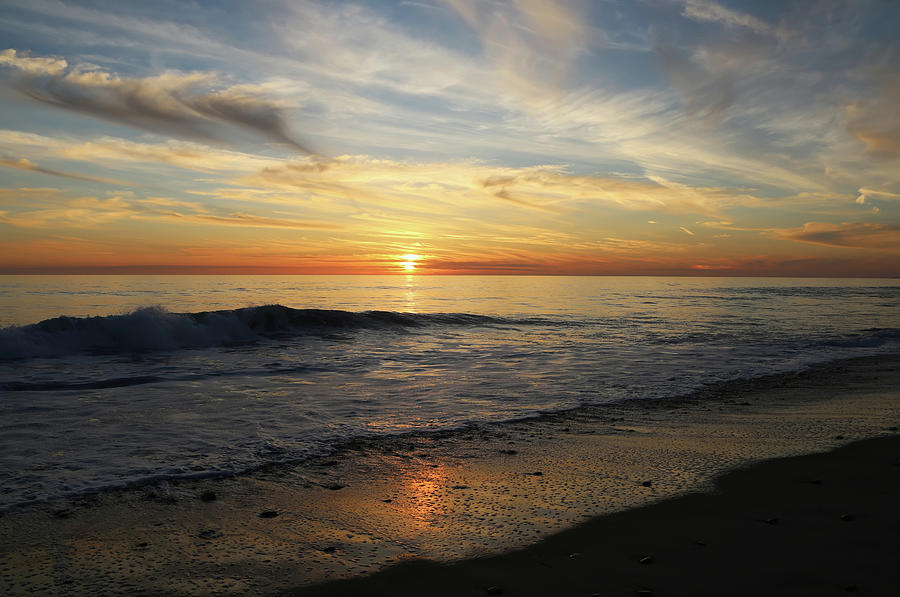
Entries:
{"x":647,"y":483}
{"x":208,"y":496}
{"x":268,"y":514}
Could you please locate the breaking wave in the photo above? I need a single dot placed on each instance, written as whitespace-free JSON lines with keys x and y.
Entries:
{"x":154,"y":329}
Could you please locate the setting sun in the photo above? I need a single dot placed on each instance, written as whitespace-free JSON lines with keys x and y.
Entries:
{"x":409,"y":263}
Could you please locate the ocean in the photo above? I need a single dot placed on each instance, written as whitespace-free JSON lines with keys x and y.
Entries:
{"x":110,"y":381}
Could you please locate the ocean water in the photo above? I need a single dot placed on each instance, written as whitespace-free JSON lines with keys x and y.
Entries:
{"x":107,"y":381}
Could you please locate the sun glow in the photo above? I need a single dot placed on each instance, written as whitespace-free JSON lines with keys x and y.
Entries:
{"x":409,"y":262}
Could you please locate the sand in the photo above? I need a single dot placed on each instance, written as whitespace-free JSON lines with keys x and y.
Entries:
{"x":824,"y":524}
{"x":499,"y":489}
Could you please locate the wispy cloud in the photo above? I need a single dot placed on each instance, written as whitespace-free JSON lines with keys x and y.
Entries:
{"x":530,"y":43}
{"x":866,"y":192}
{"x":856,"y":235}
{"x":122,"y":152}
{"x":707,"y":10}
{"x":28,"y":165}
{"x":193,"y":104}
{"x":245,"y":219}
{"x":876,"y":121}
{"x":48,"y":209}
{"x":548,"y":188}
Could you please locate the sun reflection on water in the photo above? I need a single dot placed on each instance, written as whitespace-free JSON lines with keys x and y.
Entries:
{"x":410,"y":294}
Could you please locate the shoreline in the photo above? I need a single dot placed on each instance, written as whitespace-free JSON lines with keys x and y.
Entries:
{"x":712,"y":394}
{"x":486,"y":490}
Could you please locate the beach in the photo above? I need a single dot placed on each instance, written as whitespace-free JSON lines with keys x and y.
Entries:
{"x":449,"y":297}
{"x":567,"y":503}
{"x":816,"y":525}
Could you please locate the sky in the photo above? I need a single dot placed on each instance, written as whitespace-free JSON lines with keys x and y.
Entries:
{"x":604,"y":137}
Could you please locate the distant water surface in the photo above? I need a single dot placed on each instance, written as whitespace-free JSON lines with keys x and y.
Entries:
{"x":108,"y":380}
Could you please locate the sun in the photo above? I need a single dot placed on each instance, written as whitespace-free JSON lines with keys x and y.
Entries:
{"x":409,"y":262}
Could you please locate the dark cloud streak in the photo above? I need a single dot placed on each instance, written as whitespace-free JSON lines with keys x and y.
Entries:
{"x":173,"y":103}
{"x":849,"y":235}
{"x":29,"y":166}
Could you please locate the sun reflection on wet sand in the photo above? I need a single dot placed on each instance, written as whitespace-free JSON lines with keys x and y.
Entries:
{"x":424,"y":488}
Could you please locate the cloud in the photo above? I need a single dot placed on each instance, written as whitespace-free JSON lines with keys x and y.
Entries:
{"x":444,"y":185}
{"x":435,"y":95}
{"x":103,"y":150}
{"x":706,"y":93}
{"x":532,"y":44}
{"x":635,"y":247}
{"x":868,"y":192}
{"x":855,"y":235}
{"x":82,"y":212}
{"x":245,"y":219}
{"x":28,"y":165}
{"x":876,"y":121}
{"x":34,"y":66}
{"x":709,"y":11}
{"x":172,"y":103}
{"x":45,"y":208}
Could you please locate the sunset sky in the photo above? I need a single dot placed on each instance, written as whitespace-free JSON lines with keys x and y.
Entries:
{"x":450,"y":136}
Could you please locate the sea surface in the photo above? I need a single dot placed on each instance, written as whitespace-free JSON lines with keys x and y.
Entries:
{"x":107,"y":381}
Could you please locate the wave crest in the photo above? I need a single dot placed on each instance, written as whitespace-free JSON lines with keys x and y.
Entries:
{"x":154,"y":329}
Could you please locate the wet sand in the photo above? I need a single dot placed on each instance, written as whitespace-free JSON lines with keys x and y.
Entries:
{"x":496,"y":489}
{"x":816,"y":525}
